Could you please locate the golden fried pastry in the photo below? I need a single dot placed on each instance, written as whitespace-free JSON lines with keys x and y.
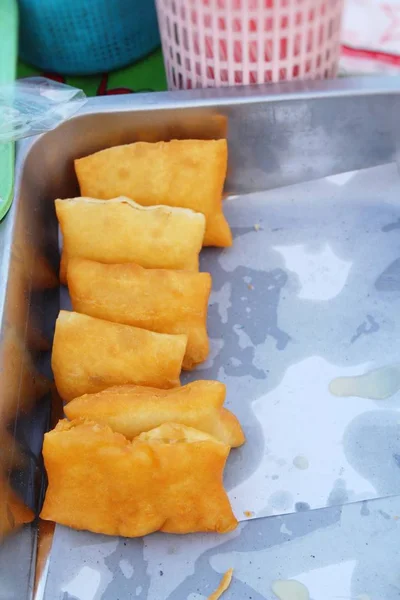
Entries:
{"x":188,"y":173}
{"x":169,"y":479}
{"x":120,"y":231}
{"x":90,"y":355}
{"x":132,"y":409}
{"x":155,"y":299}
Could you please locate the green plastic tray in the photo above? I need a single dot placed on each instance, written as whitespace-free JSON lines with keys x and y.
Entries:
{"x":8,"y":65}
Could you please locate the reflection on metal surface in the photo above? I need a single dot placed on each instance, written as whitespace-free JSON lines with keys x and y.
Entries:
{"x":315,"y":281}
{"x":21,"y":384}
{"x":28,"y":305}
{"x":186,"y":124}
{"x":45,"y":538}
{"x":13,"y":511}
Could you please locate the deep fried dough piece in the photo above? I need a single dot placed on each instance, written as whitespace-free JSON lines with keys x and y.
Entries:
{"x":90,"y":355}
{"x":169,"y":479}
{"x":188,"y":173}
{"x":155,"y":299}
{"x":132,"y":409}
{"x":120,"y":231}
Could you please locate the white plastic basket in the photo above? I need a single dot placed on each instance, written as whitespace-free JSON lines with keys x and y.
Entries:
{"x":209,"y":43}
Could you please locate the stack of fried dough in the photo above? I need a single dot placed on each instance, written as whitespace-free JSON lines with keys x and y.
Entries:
{"x":137,"y":452}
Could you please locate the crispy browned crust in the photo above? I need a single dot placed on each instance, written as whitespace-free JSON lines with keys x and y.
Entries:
{"x":187,"y":173}
{"x":155,"y":299}
{"x":120,"y":231}
{"x":91,"y":354}
{"x":132,"y":409}
{"x":169,"y":479}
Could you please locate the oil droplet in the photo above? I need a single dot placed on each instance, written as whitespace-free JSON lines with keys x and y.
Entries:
{"x":378,"y":384}
{"x":290,"y":589}
{"x":301,"y":462}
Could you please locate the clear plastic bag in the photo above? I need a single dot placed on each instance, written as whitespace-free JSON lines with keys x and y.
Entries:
{"x":34,"y":105}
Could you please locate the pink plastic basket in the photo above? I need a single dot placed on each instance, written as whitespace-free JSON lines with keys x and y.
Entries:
{"x":209,"y":43}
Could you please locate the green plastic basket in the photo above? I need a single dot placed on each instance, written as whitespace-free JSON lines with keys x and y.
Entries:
{"x":8,"y":65}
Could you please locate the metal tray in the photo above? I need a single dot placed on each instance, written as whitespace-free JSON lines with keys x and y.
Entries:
{"x":279,"y":137}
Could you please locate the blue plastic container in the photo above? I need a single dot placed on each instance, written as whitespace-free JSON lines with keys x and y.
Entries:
{"x":82,"y":37}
